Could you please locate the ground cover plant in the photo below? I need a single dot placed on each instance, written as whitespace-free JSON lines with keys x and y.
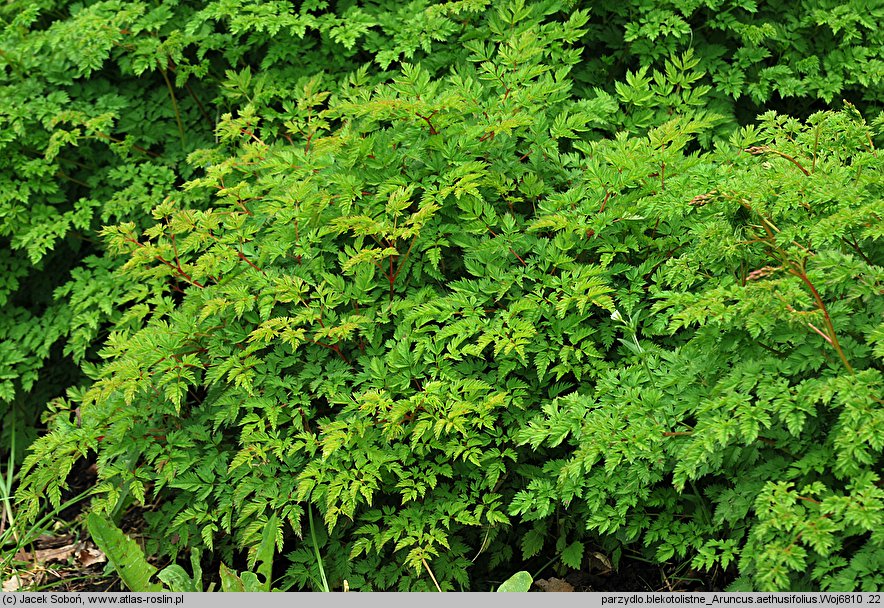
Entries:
{"x":505,"y":283}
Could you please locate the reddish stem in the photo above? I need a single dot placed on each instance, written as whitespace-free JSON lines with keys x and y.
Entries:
{"x":249,"y":262}
{"x":426,"y":119}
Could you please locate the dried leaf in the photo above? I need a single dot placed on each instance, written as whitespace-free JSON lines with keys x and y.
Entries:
{"x":58,"y":554}
{"x":18,"y":581}
{"x":88,"y":554}
{"x":554,"y":585}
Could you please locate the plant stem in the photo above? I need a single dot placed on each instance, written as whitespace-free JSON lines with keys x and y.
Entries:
{"x":544,"y":567}
{"x":316,"y":550}
{"x":435,"y":582}
{"x":755,"y":150}
{"x":174,"y":105}
{"x":830,"y":327}
{"x":6,"y":486}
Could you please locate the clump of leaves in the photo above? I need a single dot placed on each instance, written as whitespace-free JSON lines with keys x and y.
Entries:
{"x":137,"y":573}
{"x":743,"y":421}
{"x":309,"y":360}
{"x":755,"y":52}
{"x":100,"y":104}
{"x":103,"y":100}
{"x":429,"y":306}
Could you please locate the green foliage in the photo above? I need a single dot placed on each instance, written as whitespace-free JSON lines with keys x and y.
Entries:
{"x":123,"y":553}
{"x":103,"y":101}
{"x":755,"y":51}
{"x":462,"y":277}
{"x":136,"y":572}
{"x":520,"y":582}
{"x":176,"y":578}
{"x":100,"y":104}
{"x":743,"y":421}
{"x":313,"y":277}
{"x":15,"y":537}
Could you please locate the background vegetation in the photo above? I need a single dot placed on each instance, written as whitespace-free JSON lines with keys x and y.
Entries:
{"x":472,"y":283}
